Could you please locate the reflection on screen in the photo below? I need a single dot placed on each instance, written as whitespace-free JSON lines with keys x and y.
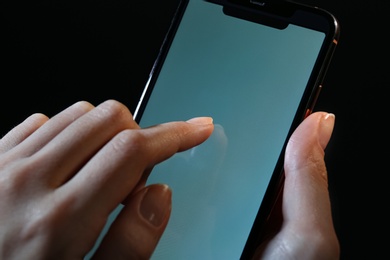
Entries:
{"x":250,"y":79}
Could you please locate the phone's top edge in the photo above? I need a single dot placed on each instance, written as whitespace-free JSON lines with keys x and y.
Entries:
{"x":332,"y":18}
{"x":287,"y":12}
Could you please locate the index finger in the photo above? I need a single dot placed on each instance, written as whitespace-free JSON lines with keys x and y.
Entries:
{"x":117,"y":168}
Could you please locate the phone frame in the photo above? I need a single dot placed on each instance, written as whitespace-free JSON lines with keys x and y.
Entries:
{"x":271,"y":9}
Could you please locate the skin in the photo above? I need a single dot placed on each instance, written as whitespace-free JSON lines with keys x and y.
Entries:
{"x":302,"y":226}
{"x":61,"y":177}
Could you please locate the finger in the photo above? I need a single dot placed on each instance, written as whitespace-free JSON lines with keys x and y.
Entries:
{"x":118,"y":167}
{"x":306,"y":183}
{"x":50,"y":129}
{"x":22,"y":131}
{"x":73,"y":146}
{"x":307,"y":228}
{"x":307,"y":144}
{"x":306,"y":202}
{"x":137,"y":229}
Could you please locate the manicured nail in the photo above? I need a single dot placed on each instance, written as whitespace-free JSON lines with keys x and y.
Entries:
{"x":156,"y":204}
{"x":201,"y":120}
{"x":326,"y":129}
{"x":331,"y":116}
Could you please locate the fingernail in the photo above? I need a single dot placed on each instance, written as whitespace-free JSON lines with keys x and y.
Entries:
{"x":201,"y":120}
{"x":156,"y":204}
{"x":326,"y":129}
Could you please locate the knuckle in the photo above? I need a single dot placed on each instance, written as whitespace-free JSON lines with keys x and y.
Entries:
{"x":17,"y":175}
{"x":131,"y":142}
{"x":83,"y":104}
{"x":114,"y":111}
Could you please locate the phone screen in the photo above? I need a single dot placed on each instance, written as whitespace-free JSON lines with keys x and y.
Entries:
{"x":251,"y":78}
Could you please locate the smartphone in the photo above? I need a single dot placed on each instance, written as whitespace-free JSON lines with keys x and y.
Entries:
{"x":256,"y":67}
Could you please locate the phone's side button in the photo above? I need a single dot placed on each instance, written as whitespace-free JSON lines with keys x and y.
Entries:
{"x":308,"y":112}
{"x":310,"y":109}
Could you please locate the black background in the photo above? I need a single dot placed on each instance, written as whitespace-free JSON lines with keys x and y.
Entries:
{"x":53,"y":55}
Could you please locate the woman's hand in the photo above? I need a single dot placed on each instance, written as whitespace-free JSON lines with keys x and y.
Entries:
{"x":61,"y":177}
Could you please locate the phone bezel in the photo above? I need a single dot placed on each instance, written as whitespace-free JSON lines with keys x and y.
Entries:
{"x":298,"y":14}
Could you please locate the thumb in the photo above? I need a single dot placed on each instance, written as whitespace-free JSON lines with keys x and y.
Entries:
{"x":309,"y":140}
{"x":306,"y":202}
{"x":306,"y":197}
{"x":139,"y":226}
{"x":307,"y":230}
